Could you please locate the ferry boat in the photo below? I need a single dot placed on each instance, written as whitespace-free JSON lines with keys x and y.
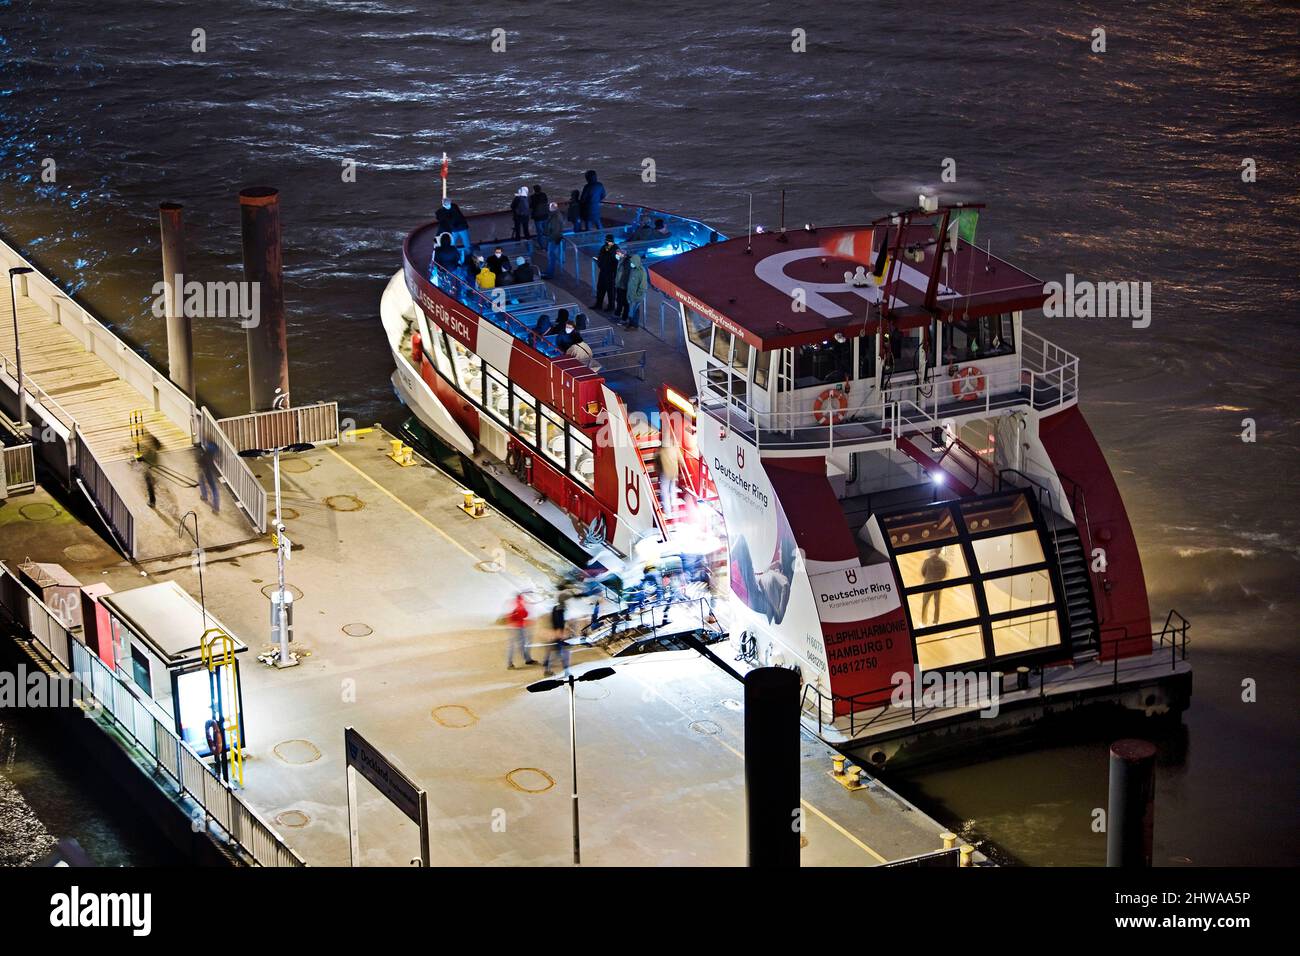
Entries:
{"x":905,"y":480}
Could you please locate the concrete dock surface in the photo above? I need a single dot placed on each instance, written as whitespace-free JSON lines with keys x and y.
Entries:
{"x":398,"y":628}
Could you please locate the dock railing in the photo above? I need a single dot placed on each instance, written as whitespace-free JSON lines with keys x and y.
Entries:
{"x":243,"y":484}
{"x":104,"y":496}
{"x":317,"y":424}
{"x":176,"y":764}
{"x":17,"y":470}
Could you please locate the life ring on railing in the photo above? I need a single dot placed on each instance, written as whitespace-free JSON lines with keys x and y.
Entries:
{"x":823,"y":410}
{"x":968,"y":384}
{"x":216,"y":736}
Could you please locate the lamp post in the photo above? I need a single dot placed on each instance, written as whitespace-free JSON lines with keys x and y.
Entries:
{"x":596,"y":673}
{"x":18,"y":352}
{"x":282,"y":547}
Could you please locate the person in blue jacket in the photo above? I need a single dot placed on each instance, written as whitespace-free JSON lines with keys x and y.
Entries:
{"x":592,"y":195}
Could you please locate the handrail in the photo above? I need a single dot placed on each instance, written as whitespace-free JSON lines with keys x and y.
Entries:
{"x":35,"y":391}
{"x":467,"y":294}
{"x":974,"y":455}
{"x":1175,"y":632}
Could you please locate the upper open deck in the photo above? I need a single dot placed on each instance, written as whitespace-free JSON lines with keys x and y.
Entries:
{"x":633,"y":362}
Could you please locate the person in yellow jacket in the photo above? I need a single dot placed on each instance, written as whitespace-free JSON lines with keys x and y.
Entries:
{"x":486,"y":278}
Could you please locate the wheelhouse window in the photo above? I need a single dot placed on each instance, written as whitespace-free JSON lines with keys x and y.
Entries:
{"x":524,"y":415}
{"x":985,"y":337}
{"x":722,"y":345}
{"x":762,"y":365}
{"x":553,"y":436}
{"x":469,"y":371}
{"x":866,"y":357}
{"x":698,"y":329}
{"x":740,"y":357}
{"x":583,"y":465}
{"x":497,"y":397}
{"x":823,"y":363}
{"x":904,"y":348}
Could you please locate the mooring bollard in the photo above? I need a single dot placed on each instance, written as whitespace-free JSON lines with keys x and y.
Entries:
{"x":837,"y":764}
{"x":1022,"y":678}
{"x":967,"y":853}
{"x":1130,"y":814}
{"x":949,"y":840}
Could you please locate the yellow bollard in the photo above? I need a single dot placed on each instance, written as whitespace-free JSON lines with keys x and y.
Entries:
{"x":949,"y":840}
{"x":837,"y":764}
{"x":469,"y":500}
{"x":395,"y":448}
{"x":967,"y":855}
{"x":480,"y":507}
{"x":854,"y":774}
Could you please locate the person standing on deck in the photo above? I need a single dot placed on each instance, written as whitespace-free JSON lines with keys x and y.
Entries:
{"x":593,"y":194}
{"x":540,"y":210}
{"x":149,"y":448}
{"x":667,"y":465}
{"x":446,"y":255}
{"x":554,"y":242}
{"x":620,"y":286}
{"x":499,"y":263}
{"x":606,"y":268}
{"x":517,"y":621}
{"x":636,"y":290}
{"x":452,"y":220}
{"x":521,"y":210}
{"x":574,"y":212}
{"x":207,"y":452}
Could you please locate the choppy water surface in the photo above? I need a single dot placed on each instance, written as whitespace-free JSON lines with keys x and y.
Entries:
{"x":1116,"y":166}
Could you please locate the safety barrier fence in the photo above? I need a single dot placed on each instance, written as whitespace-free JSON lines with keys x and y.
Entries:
{"x":243,"y":484}
{"x":17,"y":470}
{"x":107,"y":500}
{"x":317,"y":424}
{"x":176,"y":764}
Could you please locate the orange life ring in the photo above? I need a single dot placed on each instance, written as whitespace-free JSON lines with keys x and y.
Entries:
{"x":968,"y":384}
{"x":216,"y":737}
{"x":822,"y":410}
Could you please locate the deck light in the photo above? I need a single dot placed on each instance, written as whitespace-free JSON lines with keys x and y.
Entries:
{"x":679,"y":401}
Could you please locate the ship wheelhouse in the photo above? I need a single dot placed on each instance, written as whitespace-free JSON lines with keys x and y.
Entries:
{"x":889,"y":442}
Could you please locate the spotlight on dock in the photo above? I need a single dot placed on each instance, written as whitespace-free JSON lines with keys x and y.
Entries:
{"x":537,"y":687}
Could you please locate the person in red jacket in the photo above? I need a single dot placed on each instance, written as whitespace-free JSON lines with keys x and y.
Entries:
{"x":517,"y":620}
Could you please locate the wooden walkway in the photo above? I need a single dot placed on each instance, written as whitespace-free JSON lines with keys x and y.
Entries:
{"x":86,"y":389}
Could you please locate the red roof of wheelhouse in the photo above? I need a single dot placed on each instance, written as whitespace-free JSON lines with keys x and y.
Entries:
{"x":751,"y":294}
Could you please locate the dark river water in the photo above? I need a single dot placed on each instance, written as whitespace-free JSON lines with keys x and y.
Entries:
{"x":1117,"y":166}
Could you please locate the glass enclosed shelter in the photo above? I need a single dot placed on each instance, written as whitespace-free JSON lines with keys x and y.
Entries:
{"x":977,"y":582}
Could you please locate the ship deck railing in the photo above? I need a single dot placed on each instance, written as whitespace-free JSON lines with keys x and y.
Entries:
{"x":866,"y":710}
{"x":480,"y":302}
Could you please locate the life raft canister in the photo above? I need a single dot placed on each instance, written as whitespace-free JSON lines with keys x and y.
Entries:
{"x":417,"y":347}
{"x":968,"y":384}
{"x":829,"y":406}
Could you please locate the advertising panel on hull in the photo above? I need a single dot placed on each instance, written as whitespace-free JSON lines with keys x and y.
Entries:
{"x":841,"y":623}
